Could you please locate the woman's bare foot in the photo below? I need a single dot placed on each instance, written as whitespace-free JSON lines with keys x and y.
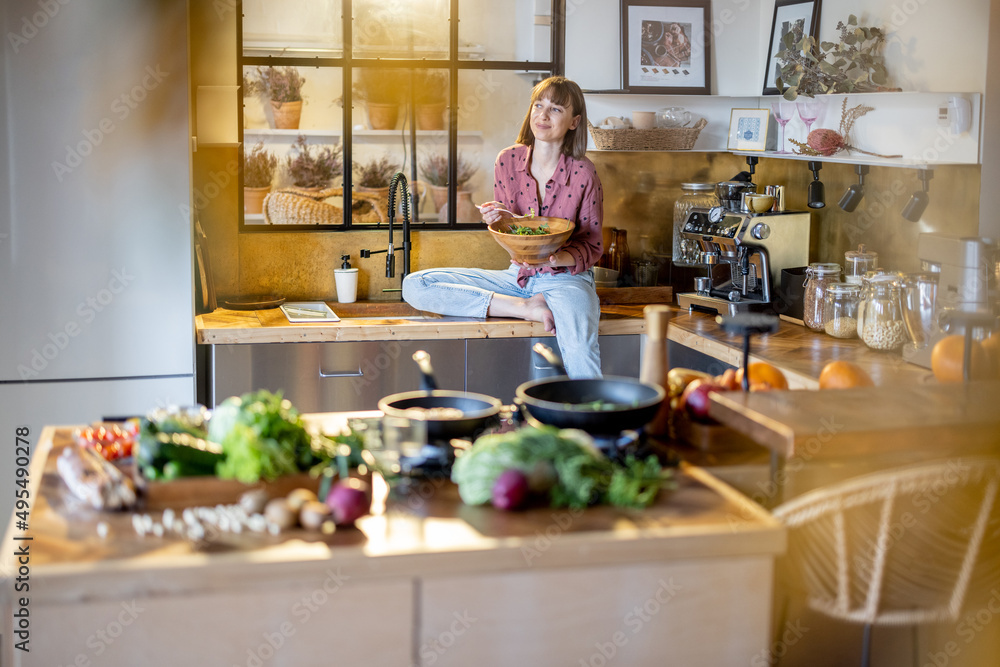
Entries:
{"x":534,"y":309}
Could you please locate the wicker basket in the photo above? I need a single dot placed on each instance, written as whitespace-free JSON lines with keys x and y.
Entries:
{"x":660,"y":139}
{"x":299,"y":206}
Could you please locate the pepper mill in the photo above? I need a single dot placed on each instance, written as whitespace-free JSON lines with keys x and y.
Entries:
{"x":656,"y":364}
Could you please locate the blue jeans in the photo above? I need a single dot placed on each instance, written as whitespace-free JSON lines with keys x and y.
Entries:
{"x":467,"y":293}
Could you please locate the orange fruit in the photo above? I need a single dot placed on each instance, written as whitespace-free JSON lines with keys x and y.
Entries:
{"x":947,"y":358}
{"x":761,"y":372}
{"x":844,"y":375}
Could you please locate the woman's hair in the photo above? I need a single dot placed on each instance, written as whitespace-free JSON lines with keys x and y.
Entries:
{"x":559,"y":90}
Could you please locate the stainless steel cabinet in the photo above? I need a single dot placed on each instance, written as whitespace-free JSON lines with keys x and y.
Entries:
{"x":326,"y":377}
{"x":496,"y":366}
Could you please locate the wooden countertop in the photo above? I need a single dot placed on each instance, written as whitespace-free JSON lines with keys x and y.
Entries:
{"x":224,"y":326}
{"x":799,"y":352}
{"x":937,"y":419}
{"x":428,"y":532}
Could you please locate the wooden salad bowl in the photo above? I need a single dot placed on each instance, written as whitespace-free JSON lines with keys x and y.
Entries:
{"x":535,"y":248}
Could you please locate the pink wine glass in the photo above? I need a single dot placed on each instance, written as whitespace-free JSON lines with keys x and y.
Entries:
{"x":783,"y":112}
{"x":809,"y":112}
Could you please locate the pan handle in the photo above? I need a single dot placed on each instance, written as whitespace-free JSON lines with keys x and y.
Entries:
{"x":550,"y":356}
{"x":427,"y":381}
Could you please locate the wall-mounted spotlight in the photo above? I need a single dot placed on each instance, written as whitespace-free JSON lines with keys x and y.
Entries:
{"x":816,"y":192}
{"x":918,"y":202}
{"x":854,"y":194}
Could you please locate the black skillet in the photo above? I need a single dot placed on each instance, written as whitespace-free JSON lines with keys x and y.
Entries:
{"x":478,"y":411}
{"x":606,"y":405}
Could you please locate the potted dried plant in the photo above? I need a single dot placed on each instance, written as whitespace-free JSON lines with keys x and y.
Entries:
{"x":258,"y":172}
{"x":434,"y":167}
{"x":853,"y":65}
{"x":283,"y":86}
{"x":382,"y":91}
{"x":374,"y":175}
{"x":313,"y":171}
{"x":430,"y":98}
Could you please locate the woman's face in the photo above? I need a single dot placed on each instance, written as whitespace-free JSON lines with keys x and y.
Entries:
{"x":551,"y":122}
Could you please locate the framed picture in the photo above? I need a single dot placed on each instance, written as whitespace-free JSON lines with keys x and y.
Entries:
{"x":748,"y":129}
{"x":666,"y":47}
{"x":801,"y":18}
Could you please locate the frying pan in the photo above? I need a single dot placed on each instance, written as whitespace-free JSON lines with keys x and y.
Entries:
{"x":477,"y":410}
{"x":625,"y":403}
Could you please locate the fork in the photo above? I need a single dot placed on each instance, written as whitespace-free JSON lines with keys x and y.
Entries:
{"x":503,"y":210}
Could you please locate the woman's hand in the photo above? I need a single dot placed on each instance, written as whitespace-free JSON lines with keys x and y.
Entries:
{"x":493,"y":211}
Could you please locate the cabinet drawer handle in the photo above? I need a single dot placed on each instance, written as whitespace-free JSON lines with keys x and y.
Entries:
{"x":347,"y":374}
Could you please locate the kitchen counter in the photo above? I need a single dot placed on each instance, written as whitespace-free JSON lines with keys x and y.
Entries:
{"x":379,"y":320}
{"x":424,"y":580}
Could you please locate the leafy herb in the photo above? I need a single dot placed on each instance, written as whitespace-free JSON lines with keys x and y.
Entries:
{"x":262,"y":436}
{"x":636,"y":483}
{"x":524,"y":230}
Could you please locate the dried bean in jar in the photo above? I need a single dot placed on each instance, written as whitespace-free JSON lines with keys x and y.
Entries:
{"x":884,"y":335}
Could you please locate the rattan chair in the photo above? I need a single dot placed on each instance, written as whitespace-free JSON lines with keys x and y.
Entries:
{"x":898,"y":547}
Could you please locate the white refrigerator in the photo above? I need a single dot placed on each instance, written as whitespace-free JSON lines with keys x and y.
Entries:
{"x":96,"y":304}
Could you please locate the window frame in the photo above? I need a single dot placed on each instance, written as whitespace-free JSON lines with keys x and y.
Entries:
{"x":348,"y":63}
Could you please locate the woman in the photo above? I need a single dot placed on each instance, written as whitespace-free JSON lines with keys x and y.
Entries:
{"x":547,"y":172}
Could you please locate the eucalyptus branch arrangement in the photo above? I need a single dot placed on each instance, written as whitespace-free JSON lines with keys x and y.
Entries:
{"x":826,"y":142}
{"x":853,"y":65}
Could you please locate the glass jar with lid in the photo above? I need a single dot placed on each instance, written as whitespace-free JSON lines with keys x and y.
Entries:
{"x":686,"y":252}
{"x":882,"y":325}
{"x":819,"y":275}
{"x":865,"y":292}
{"x":840,"y":310}
{"x":859,"y":262}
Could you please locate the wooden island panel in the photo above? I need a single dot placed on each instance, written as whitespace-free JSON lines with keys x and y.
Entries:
{"x":215,"y":600}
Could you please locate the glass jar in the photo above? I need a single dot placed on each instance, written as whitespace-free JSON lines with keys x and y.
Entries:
{"x":865,"y":293}
{"x":840,"y":310}
{"x":857,"y":263}
{"x":883,"y":327}
{"x":686,"y":252}
{"x":819,"y":276}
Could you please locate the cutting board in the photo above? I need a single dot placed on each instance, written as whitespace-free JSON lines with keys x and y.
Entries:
{"x":657,"y":294}
{"x":941,"y":419}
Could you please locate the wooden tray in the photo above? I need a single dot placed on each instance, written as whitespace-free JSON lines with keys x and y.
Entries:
{"x":709,"y":437}
{"x":211,"y":491}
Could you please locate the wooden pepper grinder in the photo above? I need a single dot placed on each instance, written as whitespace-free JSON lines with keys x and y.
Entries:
{"x":656,"y":364}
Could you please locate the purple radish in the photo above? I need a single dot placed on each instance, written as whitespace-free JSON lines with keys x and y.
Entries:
{"x":510,"y":490}
{"x":348,"y":500}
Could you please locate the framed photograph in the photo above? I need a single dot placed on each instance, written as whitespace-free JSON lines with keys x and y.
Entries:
{"x":801,"y":18}
{"x":748,"y":129}
{"x":666,"y":47}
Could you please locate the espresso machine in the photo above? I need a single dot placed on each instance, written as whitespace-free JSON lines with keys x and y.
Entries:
{"x":743,"y":252}
{"x":960,"y":278}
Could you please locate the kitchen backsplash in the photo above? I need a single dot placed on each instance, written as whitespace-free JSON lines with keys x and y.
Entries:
{"x":639,"y":194}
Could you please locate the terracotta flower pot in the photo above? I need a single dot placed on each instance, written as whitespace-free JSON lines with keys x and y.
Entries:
{"x":439,"y":195}
{"x":287,"y":114}
{"x":466,"y":210}
{"x":253,"y":200}
{"x":430,"y":116}
{"x":383,"y":116}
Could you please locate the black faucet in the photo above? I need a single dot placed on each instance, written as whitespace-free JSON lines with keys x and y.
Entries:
{"x":398,"y":179}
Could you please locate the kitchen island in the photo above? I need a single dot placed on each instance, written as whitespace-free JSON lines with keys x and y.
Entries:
{"x":424,"y":580}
